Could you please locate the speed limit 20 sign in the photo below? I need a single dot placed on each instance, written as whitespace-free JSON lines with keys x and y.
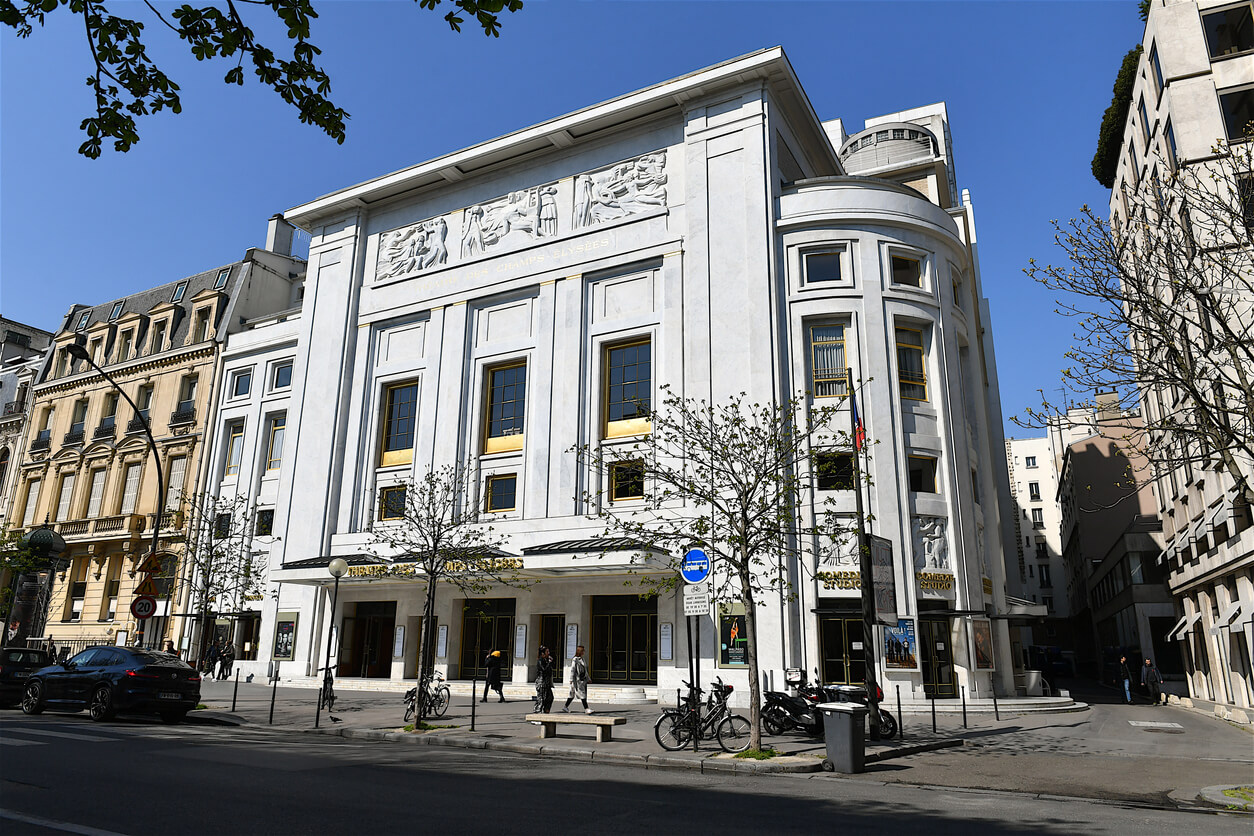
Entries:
{"x":145,"y":606}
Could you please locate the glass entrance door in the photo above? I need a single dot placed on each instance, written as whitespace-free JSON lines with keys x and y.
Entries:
{"x":623,"y":639}
{"x":366,"y":641}
{"x":553,"y":636}
{"x":841,"y":648}
{"x":936,"y":655}
{"x":487,"y":625}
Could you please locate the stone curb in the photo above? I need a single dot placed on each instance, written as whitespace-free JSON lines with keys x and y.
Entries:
{"x":1215,"y":795}
{"x":903,"y":751}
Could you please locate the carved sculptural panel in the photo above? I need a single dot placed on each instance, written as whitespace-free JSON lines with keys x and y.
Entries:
{"x":931,"y":546}
{"x":412,"y":249}
{"x":519,"y":217}
{"x":623,"y":189}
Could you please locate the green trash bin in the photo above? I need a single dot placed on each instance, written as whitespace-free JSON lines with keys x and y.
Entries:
{"x":844,"y":725}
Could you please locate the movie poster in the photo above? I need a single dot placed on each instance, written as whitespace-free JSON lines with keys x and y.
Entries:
{"x":901,"y":646}
{"x":982,"y":635}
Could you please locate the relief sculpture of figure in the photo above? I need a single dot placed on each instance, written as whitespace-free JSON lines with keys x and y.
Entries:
{"x":624,"y":189}
{"x":931,"y":551}
{"x":583,"y":202}
{"x":843,"y":552}
{"x":472,"y":232}
{"x":437,"y":251}
{"x":412,"y":248}
{"x":548,"y":210}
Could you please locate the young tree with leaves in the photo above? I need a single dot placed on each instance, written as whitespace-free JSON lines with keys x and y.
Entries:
{"x":126,"y":82}
{"x":1162,"y":297}
{"x":432,"y":531}
{"x":734,"y":479}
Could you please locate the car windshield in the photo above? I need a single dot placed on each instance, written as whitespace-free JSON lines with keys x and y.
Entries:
{"x":36,"y":657}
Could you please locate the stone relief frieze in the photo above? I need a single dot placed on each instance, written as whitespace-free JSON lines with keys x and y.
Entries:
{"x":624,"y":189}
{"x":931,"y":547}
{"x":412,"y":249}
{"x":842,"y":553}
{"x":519,"y":217}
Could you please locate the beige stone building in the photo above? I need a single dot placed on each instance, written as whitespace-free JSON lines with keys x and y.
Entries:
{"x":89,"y":471}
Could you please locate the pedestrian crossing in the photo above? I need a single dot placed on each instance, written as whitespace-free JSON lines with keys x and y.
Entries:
{"x":23,"y":732}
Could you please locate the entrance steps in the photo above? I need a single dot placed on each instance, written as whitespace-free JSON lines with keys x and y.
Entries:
{"x":1062,"y":704}
{"x":514,"y":691}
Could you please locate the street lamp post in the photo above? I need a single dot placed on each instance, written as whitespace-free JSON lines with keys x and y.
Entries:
{"x":79,"y":352}
{"x":338,"y":568}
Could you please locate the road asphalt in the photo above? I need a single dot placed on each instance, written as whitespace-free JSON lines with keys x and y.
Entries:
{"x":1160,"y":757}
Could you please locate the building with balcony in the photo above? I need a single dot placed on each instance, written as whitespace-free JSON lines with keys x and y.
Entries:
{"x":499,"y":305}
{"x":1194,"y":89}
{"x":88,"y":468}
{"x":22,"y":349}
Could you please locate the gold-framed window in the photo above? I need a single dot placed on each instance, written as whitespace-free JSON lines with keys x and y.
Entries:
{"x":234,"y":447}
{"x":829,"y":376}
{"x":627,"y":480}
{"x":274,"y":450}
{"x":911,"y":372}
{"x":392,"y":502}
{"x":505,"y":415}
{"x":501,"y":492}
{"x":400,"y":417}
{"x":628,"y":388}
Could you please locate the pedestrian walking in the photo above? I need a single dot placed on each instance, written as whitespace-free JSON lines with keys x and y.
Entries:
{"x":493,"y":679}
{"x":226,"y":660}
{"x":211,"y":658}
{"x":544,"y":681}
{"x":578,"y":681}
{"x":1153,"y":680}
{"x":1127,"y":679}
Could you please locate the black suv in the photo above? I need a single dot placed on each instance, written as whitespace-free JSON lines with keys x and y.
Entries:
{"x":106,"y":680}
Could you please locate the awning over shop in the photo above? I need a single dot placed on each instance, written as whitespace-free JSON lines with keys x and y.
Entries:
{"x":325,"y":561}
{"x":1183,"y":627}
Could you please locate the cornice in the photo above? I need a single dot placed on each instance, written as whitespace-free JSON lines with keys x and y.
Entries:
{"x":172,"y":362}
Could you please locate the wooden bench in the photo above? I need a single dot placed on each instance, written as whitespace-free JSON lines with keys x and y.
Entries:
{"x":605,"y":725}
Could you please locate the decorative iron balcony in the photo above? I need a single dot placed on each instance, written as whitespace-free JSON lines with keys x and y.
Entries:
{"x":136,"y":424}
{"x":104,"y":431}
{"x":43,"y":442}
{"x":74,"y":437}
{"x":182,"y":416}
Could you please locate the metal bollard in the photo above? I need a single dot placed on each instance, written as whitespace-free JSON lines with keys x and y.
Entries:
{"x":933,"y":701}
{"x":996,"y":711}
{"x":274,"y":690}
{"x":901,"y":729}
{"x":235,"y":693}
{"x":963,"y":689}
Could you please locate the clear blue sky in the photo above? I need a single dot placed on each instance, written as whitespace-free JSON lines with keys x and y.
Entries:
{"x":1026,"y":84}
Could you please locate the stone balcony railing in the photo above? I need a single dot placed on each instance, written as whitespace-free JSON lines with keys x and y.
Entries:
{"x":119,"y":524}
{"x":169,"y":520}
{"x":73,"y":528}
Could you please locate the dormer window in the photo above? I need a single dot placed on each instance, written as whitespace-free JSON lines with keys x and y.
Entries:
{"x":83,"y":320}
{"x":200,"y":330}
{"x":158,"y":337}
{"x":124,"y":346}
{"x":116,"y":312}
{"x":222,"y":277}
{"x":179,"y":290}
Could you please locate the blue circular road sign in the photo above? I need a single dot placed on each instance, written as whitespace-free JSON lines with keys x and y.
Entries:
{"x":695,"y":567}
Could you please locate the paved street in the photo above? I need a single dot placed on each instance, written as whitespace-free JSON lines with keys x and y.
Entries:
{"x":62,"y":773}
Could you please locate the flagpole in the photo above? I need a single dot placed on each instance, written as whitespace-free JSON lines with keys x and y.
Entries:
{"x":866,"y":581}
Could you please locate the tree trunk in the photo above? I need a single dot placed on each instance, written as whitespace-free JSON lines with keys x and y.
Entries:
{"x":426,"y":662}
{"x":751,"y":655}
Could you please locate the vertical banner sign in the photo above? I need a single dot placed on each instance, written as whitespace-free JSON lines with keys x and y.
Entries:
{"x":441,"y":640}
{"x":520,"y":642}
{"x":666,"y":647}
{"x":884,"y":580}
{"x":572,"y":640}
{"x":982,"y":636}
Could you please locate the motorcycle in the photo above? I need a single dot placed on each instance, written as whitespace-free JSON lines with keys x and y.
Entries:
{"x":783,"y":712}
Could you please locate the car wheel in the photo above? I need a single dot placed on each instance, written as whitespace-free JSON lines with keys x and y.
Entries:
{"x":172,"y":718}
{"x":101,"y":705}
{"x":33,"y":698}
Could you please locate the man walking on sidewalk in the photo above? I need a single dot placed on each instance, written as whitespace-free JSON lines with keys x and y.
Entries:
{"x":578,"y":681}
{"x":1152,"y":679}
{"x":1126,"y":675}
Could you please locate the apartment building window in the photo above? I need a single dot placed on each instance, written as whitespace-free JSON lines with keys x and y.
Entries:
{"x":32,"y":499}
{"x":221,"y":280}
{"x":4,"y":465}
{"x":174,"y":484}
{"x":628,"y":388}
{"x":1042,"y":551}
{"x":1145,"y":125}
{"x":392,"y":502}
{"x":242,"y":383}
{"x":222,"y":526}
{"x":282,"y":376}
{"x":922,"y":474}
{"x":822,"y":267}
{"x":1169,"y":133}
{"x":130,"y":488}
{"x":627,"y":480}
{"x":1029,"y":461}
{"x":64,"y":494}
{"x":234,"y":447}
{"x":113,"y":583}
{"x":829,"y":375}
{"x":78,"y":588}
{"x":1238,"y":110}
{"x":200,"y":330}
{"x":1038,"y":518}
{"x":502,"y":492}
{"x":63,"y":363}
{"x":96,"y":496}
{"x":187,"y":393}
{"x":158,"y":337}
{"x":265,"y":522}
{"x":93,"y":351}
{"x":506,"y":408}
{"x":125,"y":343}
{"x":1048,"y":601}
{"x":907,"y":271}
{"x":400,"y":416}
{"x":1229,"y":31}
{"x":1156,"y":72}
{"x":78,"y":420}
{"x":1043,"y":572}
{"x":274,"y":450}
{"x":1034,"y":491}
{"x":1134,"y":166}
{"x":912,"y":380}
{"x":975,"y":486}
{"x":144,"y":400}
{"x":45,"y":425}
{"x":833,"y":471}
{"x":179,"y":290}
{"x":83,"y":320}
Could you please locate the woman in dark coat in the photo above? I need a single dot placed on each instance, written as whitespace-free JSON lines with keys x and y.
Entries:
{"x":544,"y":681}
{"x":493,"y":679}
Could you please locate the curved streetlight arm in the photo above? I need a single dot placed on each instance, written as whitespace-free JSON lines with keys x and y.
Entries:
{"x":78,"y":352}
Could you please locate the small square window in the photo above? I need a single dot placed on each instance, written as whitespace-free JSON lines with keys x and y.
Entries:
{"x":833,"y":471}
{"x":282,"y":376}
{"x":116,"y":312}
{"x":1029,"y":461}
{"x":179,"y":290}
{"x":822,"y":267}
{"x":83,"y":320}
{"x":627,"y":480}
{"x":502,"y":492}
{"x":222,"y":277}
{"x":922,"y":474}
{"x":392,"y":502}
{"x":907,"y":271}
{"x":242,"y":384}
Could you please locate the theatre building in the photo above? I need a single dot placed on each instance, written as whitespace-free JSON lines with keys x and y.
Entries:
{"x":500,"y":305}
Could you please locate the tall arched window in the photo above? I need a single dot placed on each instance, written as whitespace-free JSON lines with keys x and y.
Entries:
{"x":4,"y":466}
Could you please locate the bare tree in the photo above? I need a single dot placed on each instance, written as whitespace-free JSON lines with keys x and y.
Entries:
{"x":1162,"y":297}
{"x":734,"y":479}
{"x":431,"y":530}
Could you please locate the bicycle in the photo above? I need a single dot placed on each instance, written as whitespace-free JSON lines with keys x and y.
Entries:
{"x":677,"y":727}
{"x":435,"y":701}
{"x":326,"y":694}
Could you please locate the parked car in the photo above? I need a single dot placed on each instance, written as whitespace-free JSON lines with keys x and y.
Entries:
{"x":16,"y":664}
{"x":107,"y":680}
